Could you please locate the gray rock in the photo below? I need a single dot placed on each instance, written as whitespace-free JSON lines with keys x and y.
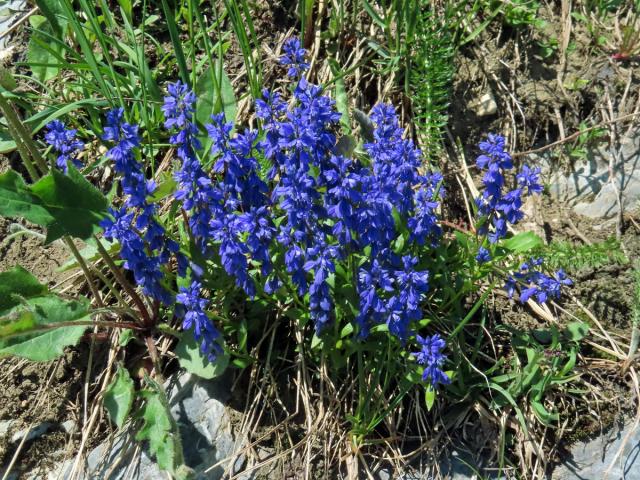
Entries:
{"x":5,"y":426}
{"x":592,"y":459}
{"x":10,"y":12}
{"x":588,"y":188}
{"x":206,"y":430}
{"x":33,"y":433}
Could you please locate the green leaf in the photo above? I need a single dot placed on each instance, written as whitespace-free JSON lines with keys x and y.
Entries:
{"x":7,"y":143}
{"x":429,"y":397}
{"x":118,"y":397}
{"x":75,"y":204}
{"x":43,"y":53}
{"x":16,"y":200}
{"x":543,"y":414}
{"x":576,"y":331}
{"x":523,"y":242}
{"x":6,"y":79}
{"x":193,"y":361}
{"x":18,"y":283}
{"x":210,"y":100}
{"x":156,"y":428}
{"x":316,"y":342}
{"x":30,"y":330}
{"x":126,"y":7}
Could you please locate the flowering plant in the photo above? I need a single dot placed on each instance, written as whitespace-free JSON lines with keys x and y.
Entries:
{"x":352,"y":246}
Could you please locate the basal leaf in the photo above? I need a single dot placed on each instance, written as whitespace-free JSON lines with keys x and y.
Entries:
{"x":75,"y":204}
{"x":576,"y":331}
{"x":18,"y":283}
{"x":30,"y":331}
{"x":16,"y":200}
{"x":192,"y":360}
{"x":523,"y":242}
{"x":43,"y":53}
{"x":118,"y":397}
{"x":215,"y":95}
{"x":156,"y":429}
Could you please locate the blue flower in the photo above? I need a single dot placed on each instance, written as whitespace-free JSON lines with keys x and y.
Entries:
{"x":64,"y":142}
{"x":144,"y":245}
{"x":432,"y":358}
{"x":198,"y":196}
{"x":483,"y":255}
{"x":536,"y":284}
{"x":195,"y":318}
{"x":498,"y":209}
{"x":293,"y":57}
{"x":529,"y":178}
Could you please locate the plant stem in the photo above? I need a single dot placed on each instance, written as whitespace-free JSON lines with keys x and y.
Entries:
{"x":85,"y":269}
{"x":21,"y":135}
{"x":146,"y":319}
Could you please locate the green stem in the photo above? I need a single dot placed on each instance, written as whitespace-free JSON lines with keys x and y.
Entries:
{"x":24,"y":153}
{"x":142,"y":309}
{"x":21,"y":135}
{"x":85,"y":269}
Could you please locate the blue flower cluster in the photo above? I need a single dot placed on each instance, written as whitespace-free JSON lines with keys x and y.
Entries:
{"x":144,"y":245}
{"x":431,"y":356}
{"x":536,"y":284}
{"x":327,"y":206}
{"x":499,"y":208}
{"x":196,"y":192}
{"x":193,"y":307}
{"x":65,"y":143}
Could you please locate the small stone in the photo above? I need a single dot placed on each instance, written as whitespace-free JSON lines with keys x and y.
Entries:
{"x":486,"y":105}
{"x":31,"y":434}
{"x":5,"y":426}
{"x":69,"y":426}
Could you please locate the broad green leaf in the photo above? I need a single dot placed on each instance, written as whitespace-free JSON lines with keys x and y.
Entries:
{"x":118,"y":397}
{"x":156,"y":428}
{"x":193,"y":361}
{"x":210,"y":100}
{"x":55,"y":14}
{"x":43,"y":53}
{"x":576,"y":331}
{"x":16,"y":200}
{"x":167,"y":185}
{"x":75,"y":204}
{"x":523,"y":242}
{"x":33,"y":330}
{"x":18,"y":283}
{"x":126,"y":7}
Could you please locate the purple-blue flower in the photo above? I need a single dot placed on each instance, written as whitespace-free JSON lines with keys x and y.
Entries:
{"x":193,"y":307}
{"x":294,"y":57}
{"x":483,"y":255}
{"x":65,"y":143}
{"x":432,"y":358}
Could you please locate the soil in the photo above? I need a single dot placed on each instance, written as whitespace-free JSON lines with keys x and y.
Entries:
{"x":45,"y":395}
